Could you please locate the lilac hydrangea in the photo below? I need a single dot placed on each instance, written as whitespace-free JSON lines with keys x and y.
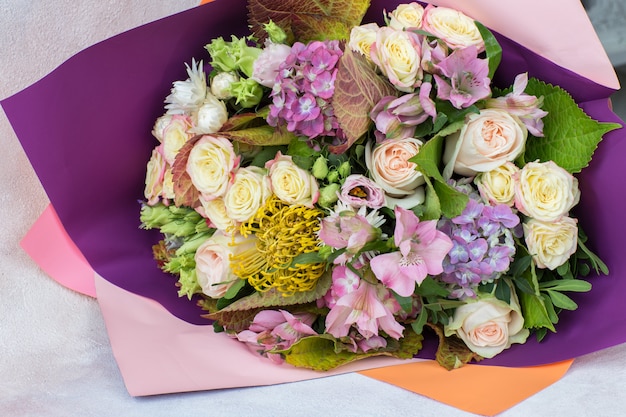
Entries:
{"x":304,"y":86}
{"x":483,"y":246}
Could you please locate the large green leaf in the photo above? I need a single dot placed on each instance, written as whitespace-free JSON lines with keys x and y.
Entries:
{"x":307,"y":20}
{"x":570,"y":136}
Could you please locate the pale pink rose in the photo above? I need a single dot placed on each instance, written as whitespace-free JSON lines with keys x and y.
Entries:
{"x":545,"y":191}
{"x":454,"y":27}
{"x":488,"y":325}
{"x":290,"y":183}
{"x":551,"y":243}
{"x":211,"y":165}
{"x":398,"y":55}
{"x":212,"y":258}
{"x":390,"y":168}
{"x":486,"y":141}
{"x":265,"y":67}
{"x":214,"y":211}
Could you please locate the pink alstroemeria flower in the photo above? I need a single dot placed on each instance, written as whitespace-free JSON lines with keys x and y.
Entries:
{"x":522,"y":105}
{"x":366,"y":309}
{"x":468,"y":74}
{"x":280,"y":329}
{"x":422,"y":250}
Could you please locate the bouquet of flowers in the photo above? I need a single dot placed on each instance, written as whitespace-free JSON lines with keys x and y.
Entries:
{"x":331,"y":190}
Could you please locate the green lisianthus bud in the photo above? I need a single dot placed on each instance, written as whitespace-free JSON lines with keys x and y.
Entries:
{"x":345,"y":169}
{"x":248,"y":93}
{"x":333,"y":176}
{"x":275,"y":32}
{"x":320,"y":168}
{"x":328,"y":195}
{"x":155,"y":216}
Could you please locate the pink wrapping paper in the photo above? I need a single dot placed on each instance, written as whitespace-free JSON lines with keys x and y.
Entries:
{"x":137,"y":325}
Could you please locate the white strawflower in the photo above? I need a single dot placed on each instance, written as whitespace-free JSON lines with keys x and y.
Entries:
{"x":209,"y":116}
{"x":187,"y":95}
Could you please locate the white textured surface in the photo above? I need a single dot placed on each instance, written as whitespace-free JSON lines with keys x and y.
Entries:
{"x":55,"y":359}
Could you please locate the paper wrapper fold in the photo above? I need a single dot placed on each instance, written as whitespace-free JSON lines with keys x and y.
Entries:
{"x":86,"y":130}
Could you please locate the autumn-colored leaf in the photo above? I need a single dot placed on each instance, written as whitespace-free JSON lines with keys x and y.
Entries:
{"x":261,"y":135}
{"x":357,"y":90}
{"x":185,"y":193}
{"x":242,"y":121}
{"x":307,"y":20}
{"x":452,"y":352}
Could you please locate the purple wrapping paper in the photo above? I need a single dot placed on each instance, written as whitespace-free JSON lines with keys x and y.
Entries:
{"x":86,"y":130}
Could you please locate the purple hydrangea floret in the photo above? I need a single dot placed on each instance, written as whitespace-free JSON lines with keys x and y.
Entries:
{"x":304,"y":86}
{"x":483,"y":246}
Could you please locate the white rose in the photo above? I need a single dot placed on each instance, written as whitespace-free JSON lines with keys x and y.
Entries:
{"x":545,"y":191}
{"x":456,"y":29}
{"x":213,"y":270}
{"x":249,"y":189}
{"x":390,"y":168}
{"x":290,"y":183}
{"x":211,"y":163}
{"x":486,"y":141}
{"x":154,"y":177}
{"x":175,"y":135}
{"x":406,"y":16}
{"x":220,"y":85}
{"x":210,"y":116}
{"x":551,"y":243}
{"x":168,"y":183}
{"x":498,"y":185}
{"x":361,"y":39}
{"x":215,"y":211}
{"x":398,"y":55}
{"x":488,"y":325}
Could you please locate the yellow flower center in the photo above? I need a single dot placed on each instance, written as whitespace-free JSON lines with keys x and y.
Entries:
{"x":283,"y":232}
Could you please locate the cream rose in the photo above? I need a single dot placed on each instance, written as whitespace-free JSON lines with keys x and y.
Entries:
{"x":211,"y":164}
{"x":361,"y":39}
{"x":212,"y":258}
{"x":406,"y":16}
{"x":292,"y":184}
{"x":154,"y":177}
{"x":249,"y":189}
{"x":486,"y":141}
{"x":551,"y":243}
{"x":455,"y":28}
{"x":390,"y":168}
{"x":168,"y":183}
{"x":398,"y":55}
{"x":215,"y":211}
{"x":488,"y":325}
{"x":498,"y":185}
{"x":221,"y":83}
{"x":210,"y":116}
{"x":175,"y":135}
{"x":545,"y":191}
{"x":160,"y":125}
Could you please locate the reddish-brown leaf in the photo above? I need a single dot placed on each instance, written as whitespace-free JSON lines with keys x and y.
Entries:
{"x":185,"y":194}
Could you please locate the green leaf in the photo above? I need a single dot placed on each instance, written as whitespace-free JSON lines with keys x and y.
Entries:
{"x":534,"y":312}
{"x":570,"y":136}
{"x":357,"y":90}
{"x":575,"y":285}
{"x":233,"y":290}
{"x":452,"y":201}
{"x":428,"y":157}
{"x":323,"y":352}
{"x":418,"y":324}
{"x":307,"y":20}
{"x":596,"y":262}
{"x":492,"y":48}
{"x":561,"y":300}
{"x":503,"y":292}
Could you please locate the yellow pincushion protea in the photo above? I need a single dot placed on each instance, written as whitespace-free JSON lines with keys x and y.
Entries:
{"x":283,"y":232}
